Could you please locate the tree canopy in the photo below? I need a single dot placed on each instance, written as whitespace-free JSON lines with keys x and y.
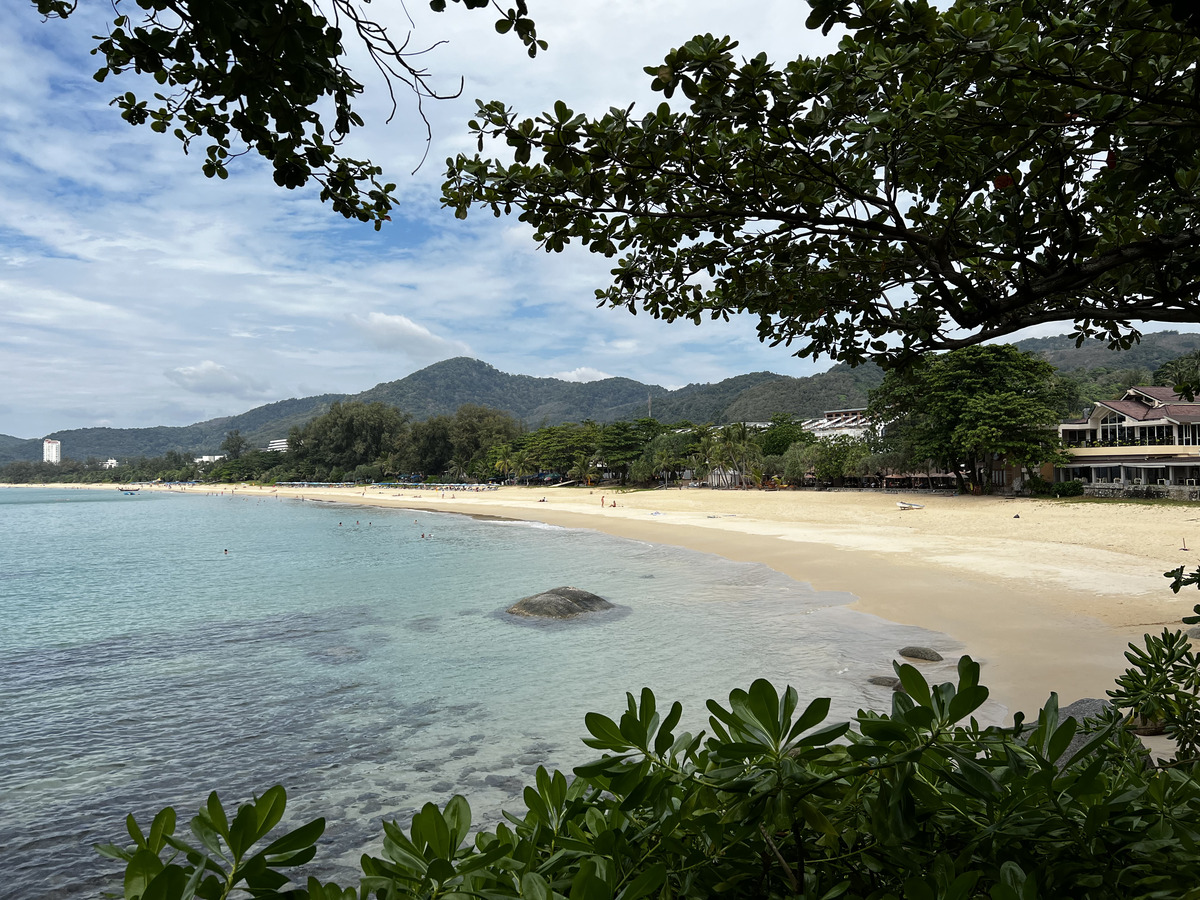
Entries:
{"x":959,"y":408}
{"x":942,"y":179}
{"x":270,"y":76}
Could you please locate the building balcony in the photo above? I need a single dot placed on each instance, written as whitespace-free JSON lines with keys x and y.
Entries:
{"x":1098,"y":449}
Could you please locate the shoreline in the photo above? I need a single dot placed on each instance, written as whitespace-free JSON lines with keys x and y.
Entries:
{"x":1044,"y":594}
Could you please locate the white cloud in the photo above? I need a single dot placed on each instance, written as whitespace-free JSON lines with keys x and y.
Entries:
{"x":582,"y":374}
{"x":393,"y":332}
{"x":212,"y":378}
{"x":120,"y":259}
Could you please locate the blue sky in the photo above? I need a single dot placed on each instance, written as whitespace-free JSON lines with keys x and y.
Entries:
{"x":136,"y":292}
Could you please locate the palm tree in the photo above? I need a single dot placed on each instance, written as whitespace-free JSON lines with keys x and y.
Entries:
{"x":736,"y":448}
{"x":582,"y":469}
{"x":456,"y":470}
{"x":504,"y":461}
{"x":664,"y":463}
{"x":522,"y":464}
{"x":1184,"y":370}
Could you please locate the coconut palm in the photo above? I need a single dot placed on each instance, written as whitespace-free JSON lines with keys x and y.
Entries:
{"x":522,"y":464}
{"x":664,"y":463}
{"x":583,"y":468}
{"x":1184,"y":370}
{"x":737,"y":449}
{"x":504,"y":461}
{"x":456,"y":470}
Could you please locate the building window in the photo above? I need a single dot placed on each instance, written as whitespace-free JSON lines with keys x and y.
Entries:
{"x":1113,"y":430}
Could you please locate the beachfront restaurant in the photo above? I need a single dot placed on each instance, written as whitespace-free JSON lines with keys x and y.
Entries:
{"x":1148,"y":438}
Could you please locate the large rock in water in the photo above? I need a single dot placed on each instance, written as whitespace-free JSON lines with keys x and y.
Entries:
{"x":559,"y":603}
{"x":920,"y":653}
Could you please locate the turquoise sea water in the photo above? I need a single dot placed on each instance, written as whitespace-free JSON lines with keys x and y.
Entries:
{"x":335,"y":651}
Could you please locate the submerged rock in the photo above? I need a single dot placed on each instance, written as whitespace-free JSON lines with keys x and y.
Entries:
{"x":884,"y":680}
{"x":920,"y":653}
{"x":559,"y":603}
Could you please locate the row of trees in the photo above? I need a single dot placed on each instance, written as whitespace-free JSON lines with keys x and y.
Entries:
{"x":956,"y":412}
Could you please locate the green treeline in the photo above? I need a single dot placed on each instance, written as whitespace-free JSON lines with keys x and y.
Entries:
{"x":951,"y":412}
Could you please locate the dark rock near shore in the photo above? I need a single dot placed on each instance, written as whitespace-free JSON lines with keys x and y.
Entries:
{"x":559,"y":603}
{"x":920,"y":653}
{"x":884,"y":680}
{"x":1087,"y":708}
{"x":1080,"y":711}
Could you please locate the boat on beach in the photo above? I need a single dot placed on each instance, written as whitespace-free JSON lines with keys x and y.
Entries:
{"x":903,"y":505}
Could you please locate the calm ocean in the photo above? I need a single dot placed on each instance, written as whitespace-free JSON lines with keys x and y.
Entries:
{"x":335,"y":651}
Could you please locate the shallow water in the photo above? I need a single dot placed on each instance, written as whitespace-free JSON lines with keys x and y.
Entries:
{"x":336,"y":651}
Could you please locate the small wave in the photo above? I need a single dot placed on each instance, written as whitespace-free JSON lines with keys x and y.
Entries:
{"x":526,"y":523}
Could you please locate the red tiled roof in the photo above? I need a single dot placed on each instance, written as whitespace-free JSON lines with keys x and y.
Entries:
{"x":1161,"y":394}
{"x":1132,"y":408}
{"x":1182,"y":412}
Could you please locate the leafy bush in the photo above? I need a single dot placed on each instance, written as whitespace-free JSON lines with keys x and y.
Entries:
{"x":1068,"y":489}
{"x":919,"y":803}
{"x":1040,"y":487}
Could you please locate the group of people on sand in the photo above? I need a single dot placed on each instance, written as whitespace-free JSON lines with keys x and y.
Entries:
{"x":614,"y":503}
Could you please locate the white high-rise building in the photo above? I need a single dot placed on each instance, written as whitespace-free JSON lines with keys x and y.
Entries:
{"x":51,"y":451}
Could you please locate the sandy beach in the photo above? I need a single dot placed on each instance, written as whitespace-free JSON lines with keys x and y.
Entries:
{"x":1045,"y":594}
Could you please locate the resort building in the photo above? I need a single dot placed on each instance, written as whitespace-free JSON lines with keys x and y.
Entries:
{"x":109,"y":463}
{"x":1150,"y":437}
{"x":51,"y":451}
{"x":853,"y":422}
{"x":279,"y":446}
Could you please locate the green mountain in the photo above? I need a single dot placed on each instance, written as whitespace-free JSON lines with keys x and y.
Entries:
{"x":259,"y":425}
{"x":1152,"y":351}
{"x":443,"y":387}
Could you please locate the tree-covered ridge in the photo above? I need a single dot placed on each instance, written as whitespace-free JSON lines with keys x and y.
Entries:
{"x":1085,"y":374}
{"x":442,"y":388}
{"x":1149,"y":353}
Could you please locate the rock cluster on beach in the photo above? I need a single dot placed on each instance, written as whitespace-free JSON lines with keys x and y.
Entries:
{"x":559,"y":603}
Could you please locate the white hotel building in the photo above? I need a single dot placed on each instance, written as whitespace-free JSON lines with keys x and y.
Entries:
{"x":51,"y":451}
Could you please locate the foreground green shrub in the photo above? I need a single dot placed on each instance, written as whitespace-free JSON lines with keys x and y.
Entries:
{"x":921,"y":803}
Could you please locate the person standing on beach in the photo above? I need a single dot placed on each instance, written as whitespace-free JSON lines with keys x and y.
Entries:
{"x":602,"y":501}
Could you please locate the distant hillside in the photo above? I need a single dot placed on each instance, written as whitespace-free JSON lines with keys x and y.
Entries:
{"x":1154,"y":349}
{"x":442,"y":388}
{"x":259,"y":426}
{"x":840,"y":388}
{"x":13,"y":448}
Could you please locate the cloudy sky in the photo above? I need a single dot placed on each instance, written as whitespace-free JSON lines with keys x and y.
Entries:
{"x":135,"y":292}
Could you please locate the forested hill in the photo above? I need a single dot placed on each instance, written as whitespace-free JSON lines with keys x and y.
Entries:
{"x":259,"y":426}
{"x":442,"y":388}
{"x":1154,"y":349}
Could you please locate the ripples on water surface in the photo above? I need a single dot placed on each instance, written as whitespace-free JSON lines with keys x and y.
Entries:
{"x":335,"y":651}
